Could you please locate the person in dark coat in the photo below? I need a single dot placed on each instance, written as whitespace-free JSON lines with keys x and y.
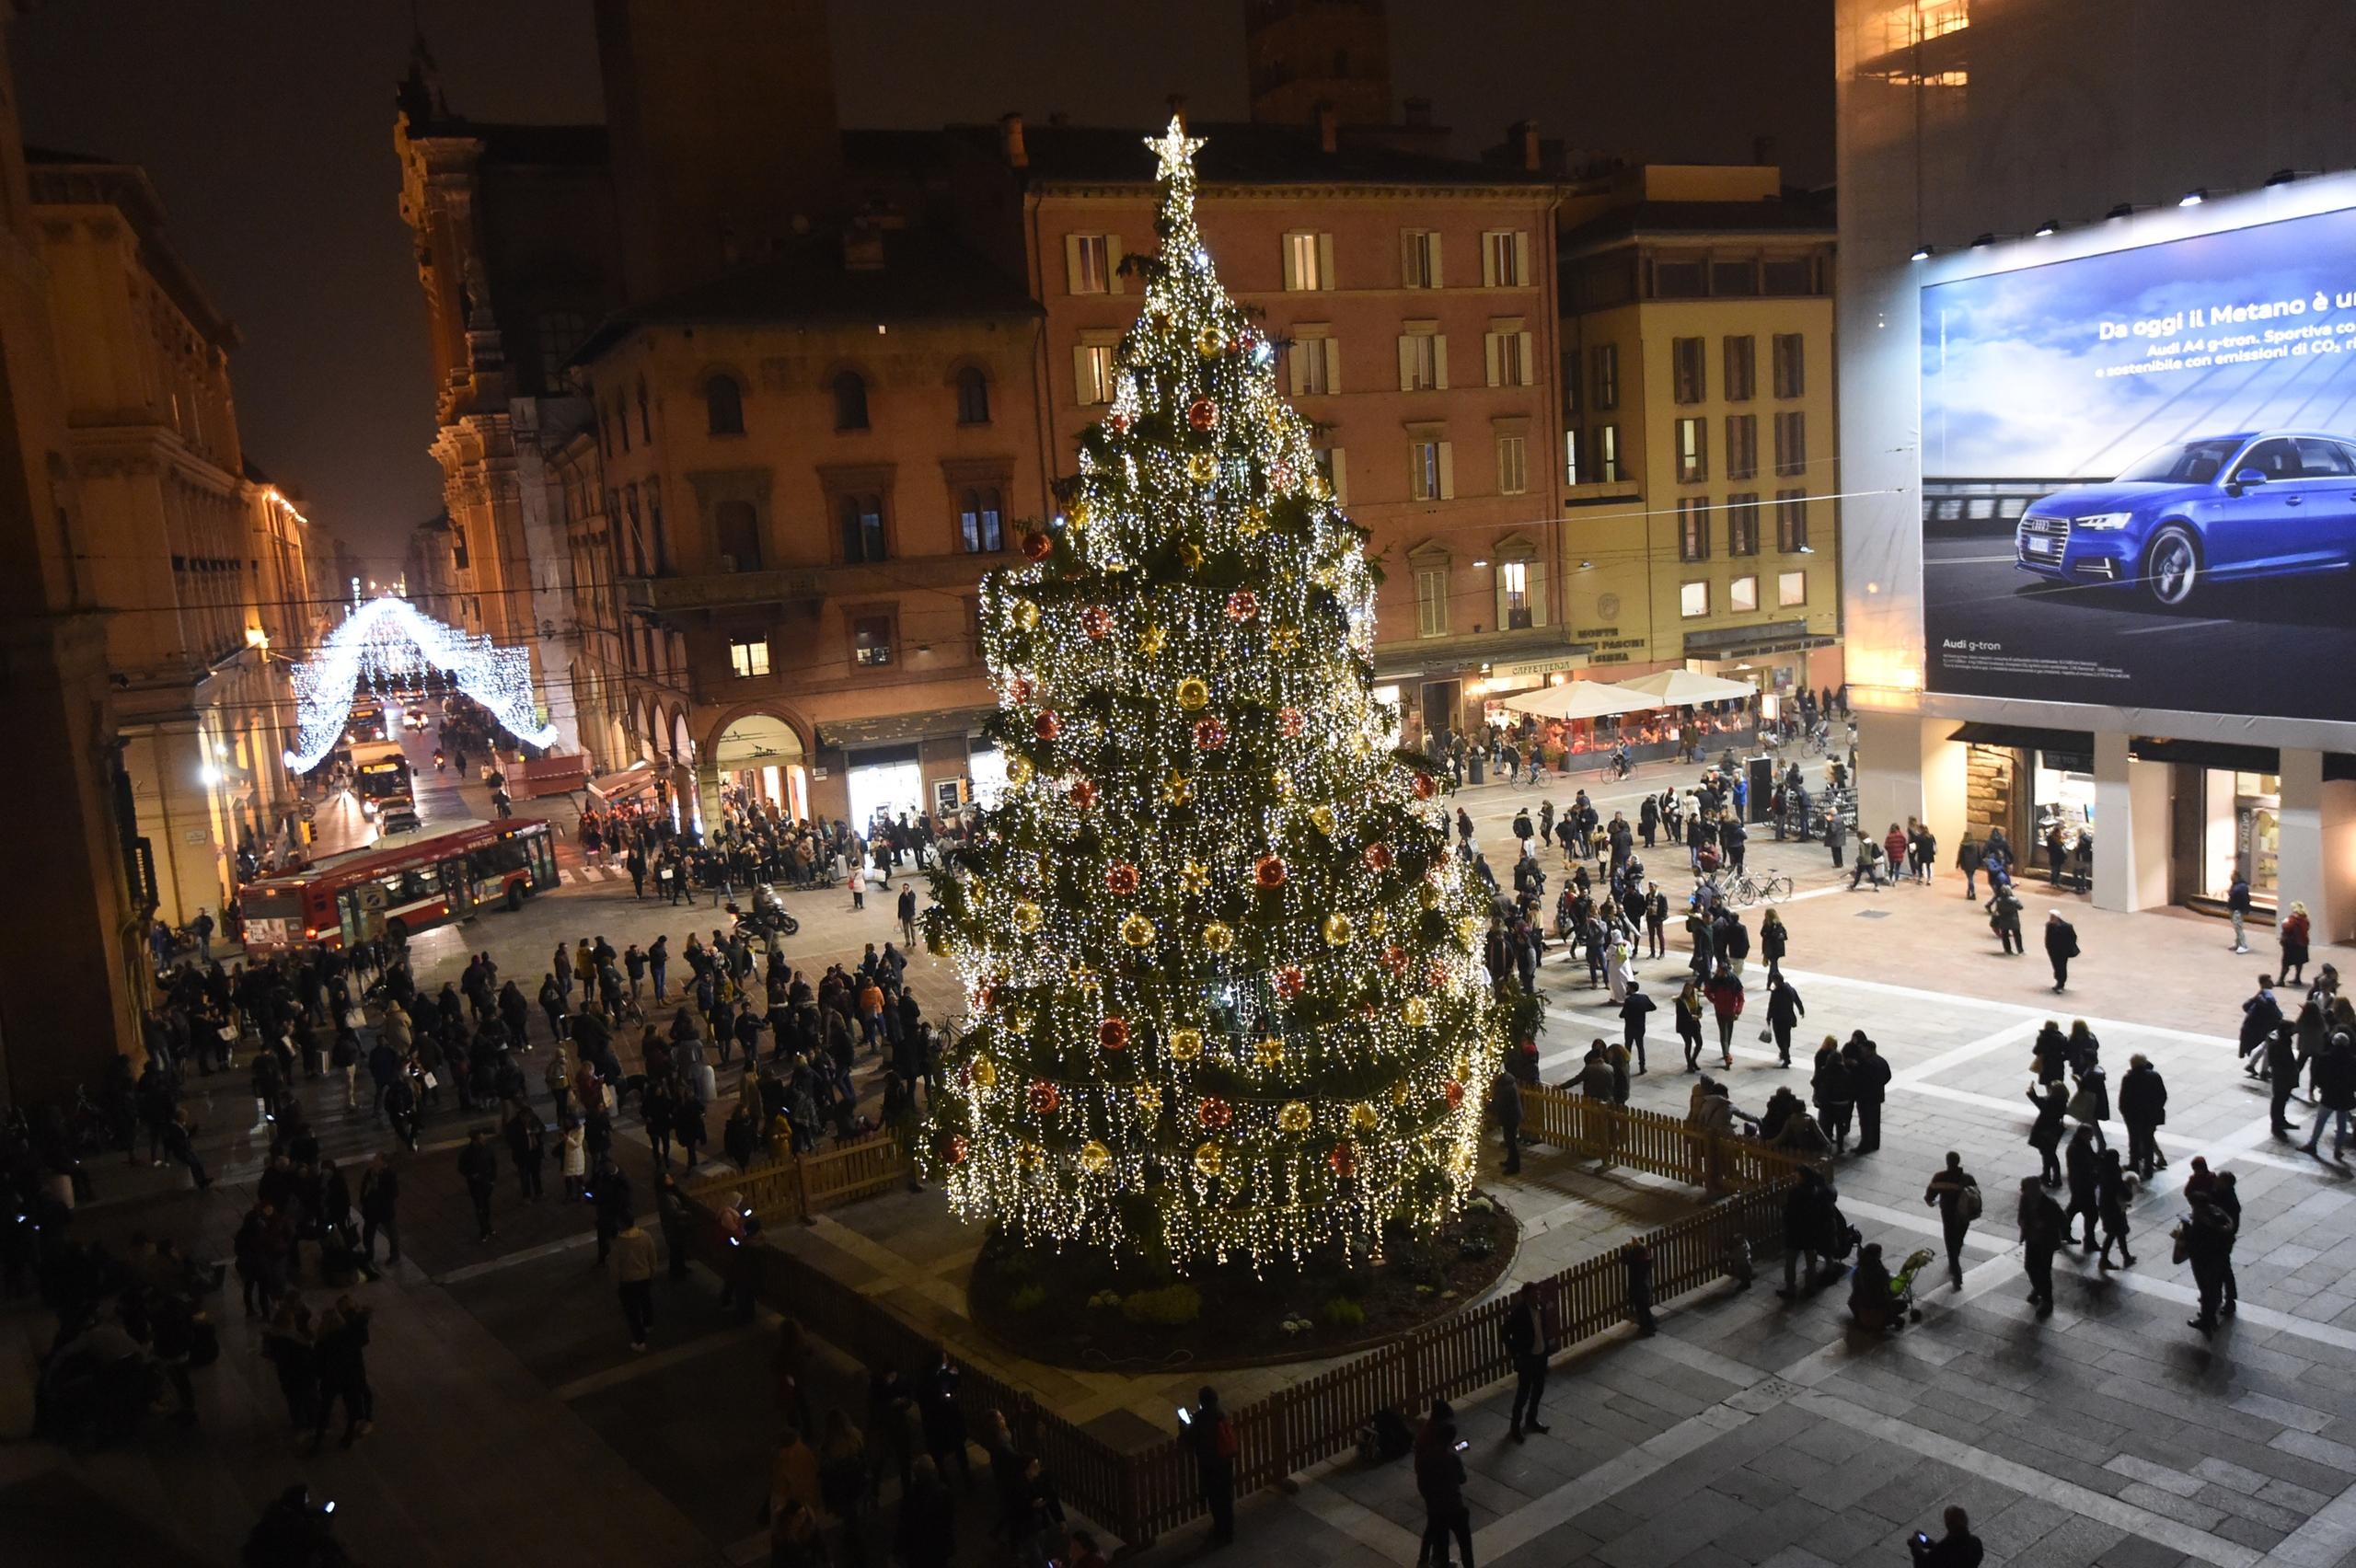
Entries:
{"x":2144,"y":1106}
{"x":1785,"y":1011}
{"x":1439,"y":1478}
{"x":1528,"y":1344}
{"x":1212,"y":1438}
{"x":2051,"y":1126}
{"x":1870,"y":1076}
{"x":2061,"y":947}
{"x":478,"y":1165}
{"x":2042,"y":1227}
{"x":1833,"y":1090}
{"x":2208,"y":1247}
{"x":1504,"y":1098}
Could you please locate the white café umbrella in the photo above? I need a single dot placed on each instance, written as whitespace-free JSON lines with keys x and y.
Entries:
{"x":1579,"y":699}
{"x":1684,"y":688}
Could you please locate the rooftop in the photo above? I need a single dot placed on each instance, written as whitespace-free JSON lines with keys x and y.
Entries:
{"x":1237,"y":153}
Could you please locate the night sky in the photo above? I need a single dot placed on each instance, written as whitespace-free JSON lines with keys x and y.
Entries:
{"x":267,"y":126}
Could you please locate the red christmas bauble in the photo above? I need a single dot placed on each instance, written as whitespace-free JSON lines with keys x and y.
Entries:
{"x":1097,"y":621}
{"x":1210,"y":734}
{"x":1046,"y":1097}
{"x":1269,"y":873}
{"x":1083,"y":793}
{"x":1242,"y":604}
{"x":1342,"y":1158}
{"x":1291,"y":721}
{"x":1455,"y":1094}
{"x":1394,"y":959}
{"x":1038,"y":547}
{"x":1435,"y":975}
{"x":1280,"y":474}
{"x":1020,"y":691}
{"x":1121,"y":878}
{"x":1118,"y":423}
{"x":1425,"y":785}
{"x":1290,"y":982}
{"x":986,"y":997}
{"x":1112,"y":1034}
{"x":1048,"y":726}
{"x":954,"y":1149}
{"x":1215,"y":1112}
{"x":1202,"y":413}
{"x":1378,"y":855}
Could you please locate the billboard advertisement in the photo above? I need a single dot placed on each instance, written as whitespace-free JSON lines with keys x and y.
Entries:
{"x":2139,"y":475}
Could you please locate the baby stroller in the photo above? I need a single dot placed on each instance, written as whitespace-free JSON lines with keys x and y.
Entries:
{"x":1879,"y":1300}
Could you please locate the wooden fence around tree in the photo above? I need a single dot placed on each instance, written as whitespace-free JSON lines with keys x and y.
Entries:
{"x":1138,"y":1495}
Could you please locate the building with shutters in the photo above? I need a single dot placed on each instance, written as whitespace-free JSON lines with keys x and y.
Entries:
{"x":1702,"y":522}
{"x":1414,"y":296}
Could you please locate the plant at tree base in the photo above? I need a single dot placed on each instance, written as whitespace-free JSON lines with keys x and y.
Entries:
{"x":1222,"y":971}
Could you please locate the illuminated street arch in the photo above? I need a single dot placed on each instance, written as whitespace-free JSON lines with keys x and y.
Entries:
{"x":390,"y":640}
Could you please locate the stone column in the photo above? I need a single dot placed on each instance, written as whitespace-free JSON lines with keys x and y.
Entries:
{"x":2319,"y":846}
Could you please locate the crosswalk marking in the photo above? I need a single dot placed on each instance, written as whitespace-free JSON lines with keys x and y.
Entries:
{"x":583,"y":874}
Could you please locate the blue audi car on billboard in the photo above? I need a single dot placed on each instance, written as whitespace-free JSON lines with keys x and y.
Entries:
{"x":2264,"y":503}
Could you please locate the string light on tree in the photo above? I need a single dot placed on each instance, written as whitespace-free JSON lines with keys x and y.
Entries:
{"x":390,"y":640}
{"x":1211,"y":927}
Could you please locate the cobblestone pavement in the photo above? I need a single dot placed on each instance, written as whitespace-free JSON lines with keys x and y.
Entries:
{"x":514,"y":1426}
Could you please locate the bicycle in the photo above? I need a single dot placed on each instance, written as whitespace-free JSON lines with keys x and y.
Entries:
{"x":1759,"y":887}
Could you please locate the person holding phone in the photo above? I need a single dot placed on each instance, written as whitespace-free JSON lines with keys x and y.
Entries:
{"x":1956,"y":1549}
{"x":1212,"y":1438}
{"x":1440,"y":1477}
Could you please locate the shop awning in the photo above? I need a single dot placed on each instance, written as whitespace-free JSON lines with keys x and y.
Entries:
{"x":2207,"y":754}
{"x":1755,"y":641}
{"x":936,"y":724}
{"x":2072,"y":742}
{"x":638,"y":778}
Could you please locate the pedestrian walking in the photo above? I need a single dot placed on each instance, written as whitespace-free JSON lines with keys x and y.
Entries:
{"x":2144,"y":1106}
{"x":2061,"y":947}
{"x":2045,"y":1135}
{"x":633,"y":1262}
{"x":2205,"y":1241}
{"x":2110,"y":1204}
{"x":2042,"y":1226}
{"x":1505,"y":1099}
{"x":1957,"y":1195}
{"x":479,"y":1166}
{"x":1869,"y":1078}
{"x":1439,"y":1478}
{"x":2335,"y":1090}
{"x":1785,"y":1011}
{"x":2295,"y":932}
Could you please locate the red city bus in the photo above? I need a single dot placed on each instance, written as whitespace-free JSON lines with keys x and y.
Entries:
{"x":397,"y":892}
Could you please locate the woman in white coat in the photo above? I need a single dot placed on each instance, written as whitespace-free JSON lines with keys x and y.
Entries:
{"x":576,"y":1159}
{"x":1619,"y":966}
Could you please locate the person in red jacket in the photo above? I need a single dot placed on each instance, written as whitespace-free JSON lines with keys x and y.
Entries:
{"x":1725,"y":991}
{"x":1894,"y":844}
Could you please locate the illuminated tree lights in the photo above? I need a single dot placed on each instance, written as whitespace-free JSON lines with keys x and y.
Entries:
{"x":391,"y":639}
{"x":1224,"y":975}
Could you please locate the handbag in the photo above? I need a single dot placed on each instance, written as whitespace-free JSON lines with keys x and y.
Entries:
{"x":433,"y":1082}
{"x":228,"y":1032}
{"x":2181,"y":1241}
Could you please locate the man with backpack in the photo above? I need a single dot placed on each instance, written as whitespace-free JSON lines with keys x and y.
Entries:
{"x":1957,"y":1196}
{"x":1212,"y":1438}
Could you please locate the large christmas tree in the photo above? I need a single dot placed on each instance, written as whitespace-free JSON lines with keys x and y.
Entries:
{"x":1223,"y":973}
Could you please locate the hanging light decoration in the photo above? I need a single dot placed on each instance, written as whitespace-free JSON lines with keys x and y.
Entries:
{"x":388,"y":640}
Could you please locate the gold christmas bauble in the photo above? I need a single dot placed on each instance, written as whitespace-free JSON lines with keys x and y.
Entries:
{"x":1094,"y":1158}
{"x":1294,"y":1117}
{"x":1399,"y":1093}
{"x":1219,"y":937}
{"x":1377,"y":923}
{"x":1028,"y":916}
{"x":1467,"y":930}
{"x":1365,"y":1118}
{"x":1202,"y":468}
{"x":1210,"y":341}
{"x":1208,"y":1161}
{"x":1026,"y":614}
{"x":1194,"y":692}
{"x":1137,"y":931}
{"x":1019,"y":771}
{"x":983,"y":1072}
{"x":1079,"y":512}
{"x":1338,"y":929}
{"x":1417,"y":1012}
{"x":1185,"y":1044}
{"x":1429,"y":895}
{"x":1322,"y":819}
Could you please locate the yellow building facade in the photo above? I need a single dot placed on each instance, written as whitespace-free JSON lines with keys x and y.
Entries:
{"x":1702,"y":518}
